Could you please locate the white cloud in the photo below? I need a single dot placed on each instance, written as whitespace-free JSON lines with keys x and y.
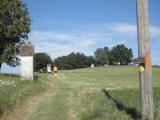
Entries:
{"x":131,"y":29}
{"x":86,"y":40}
{"x":49,"y":35}
{"x":128,"y":29}
{"x":55,"y":50}
{"x":155,"y":31}
{"x":86,"y":43}
{"x":58,"y":44}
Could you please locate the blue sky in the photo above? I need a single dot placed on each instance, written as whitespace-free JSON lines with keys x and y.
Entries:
{"x":60,"y":27}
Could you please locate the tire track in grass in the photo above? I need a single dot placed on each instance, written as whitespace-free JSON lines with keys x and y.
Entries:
{"x":44,"y":108}
{"x":57,"y":106}
{"x":72,"y":114}
{"x":23,"y":112}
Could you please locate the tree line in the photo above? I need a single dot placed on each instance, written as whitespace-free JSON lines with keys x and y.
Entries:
{"x":14,"y":28}
{"x":119,"y":54}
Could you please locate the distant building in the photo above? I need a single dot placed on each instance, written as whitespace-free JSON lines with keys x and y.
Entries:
{"x":92,"y":65}
{"x":116,"y":63}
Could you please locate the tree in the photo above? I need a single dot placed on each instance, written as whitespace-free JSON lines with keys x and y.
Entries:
{"x":14,"y":28}
{"x":102,"y":55}
{"x":41,"y":60}
{"x":107,"y":54}
{"x":121,"y":53}
{"x":74,"y":61}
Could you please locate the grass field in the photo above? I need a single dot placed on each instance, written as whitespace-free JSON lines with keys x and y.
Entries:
{"x":13,"y":91}
{"x":110,"y":93}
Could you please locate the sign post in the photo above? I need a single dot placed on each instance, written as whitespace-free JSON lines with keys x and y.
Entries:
{"x":147,"y":112}
{"x":49,"y":69}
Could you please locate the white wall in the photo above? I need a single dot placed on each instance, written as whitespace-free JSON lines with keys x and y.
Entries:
{"x":27,"y":67}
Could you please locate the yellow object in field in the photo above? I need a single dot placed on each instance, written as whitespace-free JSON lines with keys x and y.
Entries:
{"x":141,"y":69}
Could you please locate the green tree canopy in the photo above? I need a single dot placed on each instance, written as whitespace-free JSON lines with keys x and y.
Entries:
{"x":74,"y":61}
{"x":41,"y":60}
{"x":14,"y":28}
{"x":121,"y":53}
{"x":102,"y":55}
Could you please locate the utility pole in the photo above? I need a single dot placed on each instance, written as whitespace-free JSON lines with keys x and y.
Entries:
{"x":145,"y":74}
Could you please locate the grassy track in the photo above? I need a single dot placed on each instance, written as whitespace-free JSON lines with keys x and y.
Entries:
{"x":14,"y":92}
{"x":92,"y":94}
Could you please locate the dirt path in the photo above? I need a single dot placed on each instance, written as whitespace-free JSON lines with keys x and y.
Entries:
{"x":60,"y":102}
{"x":54,"y":104}
{"x":24,"y":111}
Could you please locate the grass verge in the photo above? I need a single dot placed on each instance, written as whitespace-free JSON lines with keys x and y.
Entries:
{"x":115,"y":105}
{"x":13,"y":91}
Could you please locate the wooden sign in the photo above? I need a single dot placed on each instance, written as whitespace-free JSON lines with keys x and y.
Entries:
{"x":138,"y":60}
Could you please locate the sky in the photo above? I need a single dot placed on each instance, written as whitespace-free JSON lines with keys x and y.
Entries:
{"x":60,"y":27}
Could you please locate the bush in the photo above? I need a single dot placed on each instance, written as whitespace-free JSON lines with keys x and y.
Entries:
{"x":41,"y":60}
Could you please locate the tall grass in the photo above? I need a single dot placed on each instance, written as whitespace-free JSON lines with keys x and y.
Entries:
{"x":116,"y":105}
{"x":13,"y":91}
{"x":103,"y":93}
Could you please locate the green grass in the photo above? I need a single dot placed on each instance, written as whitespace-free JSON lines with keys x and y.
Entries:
{"x":122,"y":88}
{"x":13,"y":91}
{"x":101,"y":93}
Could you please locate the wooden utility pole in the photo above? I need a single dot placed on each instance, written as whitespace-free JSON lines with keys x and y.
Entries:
{"x":147,"y":112}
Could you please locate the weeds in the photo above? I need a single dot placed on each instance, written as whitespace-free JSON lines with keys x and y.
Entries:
{"x":13,"y":91}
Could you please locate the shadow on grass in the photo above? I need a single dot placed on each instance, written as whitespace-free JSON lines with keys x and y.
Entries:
{"x":120,"y":106}
{"x":36,"y":77}
{"x":9,"y":75}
